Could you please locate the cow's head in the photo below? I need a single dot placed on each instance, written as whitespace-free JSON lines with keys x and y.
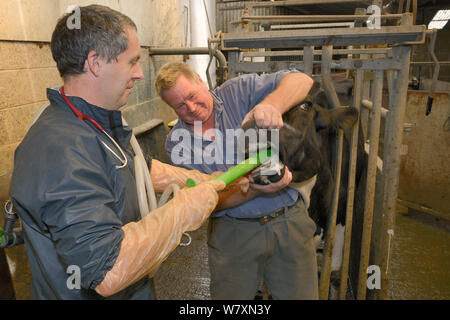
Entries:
{"x":301,"y":139}
{"x":304,"y":147}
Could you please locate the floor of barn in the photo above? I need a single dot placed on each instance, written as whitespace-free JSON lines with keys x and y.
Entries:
{"x":185,"y":274}
{"x":420,"y":266}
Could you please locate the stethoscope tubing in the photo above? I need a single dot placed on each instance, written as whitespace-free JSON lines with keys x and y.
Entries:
{"x":83,"y":117}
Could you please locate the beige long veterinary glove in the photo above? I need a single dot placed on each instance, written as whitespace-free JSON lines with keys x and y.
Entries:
{"x":148,"y":242}
{"x":164,"y":174}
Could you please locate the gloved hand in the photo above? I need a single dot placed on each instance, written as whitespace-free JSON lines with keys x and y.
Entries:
{"x":148,"y":242}
{"x":164,"y":174}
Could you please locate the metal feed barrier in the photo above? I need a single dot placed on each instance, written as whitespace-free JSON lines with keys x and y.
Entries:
{"x":391,"y":57}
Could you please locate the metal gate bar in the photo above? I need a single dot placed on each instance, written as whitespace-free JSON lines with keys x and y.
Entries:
{"x":374,"y":134}
{"x":325,"y":273}
{"x":395,"y":62}
{"x":391,"y":165}
{"x":351,"y":188}
{"x":326,"y":36}
{"x":308,"y":59}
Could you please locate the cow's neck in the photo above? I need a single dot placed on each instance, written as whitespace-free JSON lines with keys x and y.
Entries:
{"x":305,"y":188}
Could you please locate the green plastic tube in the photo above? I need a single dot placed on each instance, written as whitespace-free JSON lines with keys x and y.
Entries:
{"x":239,"y":170}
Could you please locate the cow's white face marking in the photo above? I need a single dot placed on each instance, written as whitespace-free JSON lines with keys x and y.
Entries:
{"x":338,"y":247}
{"x":318,"y":240}
{"x":305,"y":188}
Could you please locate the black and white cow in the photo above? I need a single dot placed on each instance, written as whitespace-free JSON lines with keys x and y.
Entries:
{"x":305,"y":144}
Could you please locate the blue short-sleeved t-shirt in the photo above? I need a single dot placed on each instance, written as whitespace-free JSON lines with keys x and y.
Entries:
{"x":232,"y":101}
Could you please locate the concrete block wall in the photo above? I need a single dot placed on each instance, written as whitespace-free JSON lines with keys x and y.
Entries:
{"x":26,"y":70}
{"x":27,"y":67}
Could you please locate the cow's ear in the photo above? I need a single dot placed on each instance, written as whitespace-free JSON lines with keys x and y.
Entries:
{"x":344,"y":117}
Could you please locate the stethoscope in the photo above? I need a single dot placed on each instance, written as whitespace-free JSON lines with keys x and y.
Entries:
{"x":82,"y":117}
{"x":144,"y":186}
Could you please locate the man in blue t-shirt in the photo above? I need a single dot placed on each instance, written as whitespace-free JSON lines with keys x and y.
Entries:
{"x":264,"y":233}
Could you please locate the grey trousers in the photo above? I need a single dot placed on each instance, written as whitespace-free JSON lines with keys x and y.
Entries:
{"x":280,"y":252}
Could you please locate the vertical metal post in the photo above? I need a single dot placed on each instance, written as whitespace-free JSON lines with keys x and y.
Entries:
{"x":389,"y":77}
{"x":391,"y":165}
{"x":374,"y":131}
{"x":393,"y":136}
{"x":364,"y":115}
{"x":308,"y":59}
{"x":324,"y":282}
{"x":327,"y":58}
{"x":351,"y":187}
{"x":232,"y":61}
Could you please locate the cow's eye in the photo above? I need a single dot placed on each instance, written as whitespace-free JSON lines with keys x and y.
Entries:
{"x":306,"y":106}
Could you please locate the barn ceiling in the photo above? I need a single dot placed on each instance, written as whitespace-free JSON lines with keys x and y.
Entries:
{"x":425,"y":8}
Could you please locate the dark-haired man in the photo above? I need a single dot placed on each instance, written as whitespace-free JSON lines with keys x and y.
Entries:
{"x":73,"y":183}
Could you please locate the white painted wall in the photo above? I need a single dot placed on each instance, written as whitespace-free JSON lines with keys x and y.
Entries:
{"x":202,"y":27}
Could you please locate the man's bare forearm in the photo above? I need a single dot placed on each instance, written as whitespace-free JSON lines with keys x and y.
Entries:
{"x":234,"y":197}
{"x":292,"y":89}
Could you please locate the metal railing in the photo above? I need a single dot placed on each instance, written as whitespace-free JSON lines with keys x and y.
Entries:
{"x":370,"y":66}
{"x":392,"y":60}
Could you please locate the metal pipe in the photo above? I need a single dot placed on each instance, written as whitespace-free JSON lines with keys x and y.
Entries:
{"x":374,"y":132}
{"x":308,"y":18}
{"x":326,"y":36}
{"x":369,"y":105}
{"x":233,"y":60}
{"x":391,"y":161}
{"x":180,"y":50}
{"x":10,"y":236}
{"x":430,"y":62}
{"x":194,"y":50}
{"x":330,"y":92}
{"x":294,"y":2}
{"x":325,"y":273}
{"x":316,"y":52}
{"x":308,"y":59}
{"x":351,"y":188}
{"x":415,"y":206}
{"x":349,"y":24}
{"x":435,"y":72}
